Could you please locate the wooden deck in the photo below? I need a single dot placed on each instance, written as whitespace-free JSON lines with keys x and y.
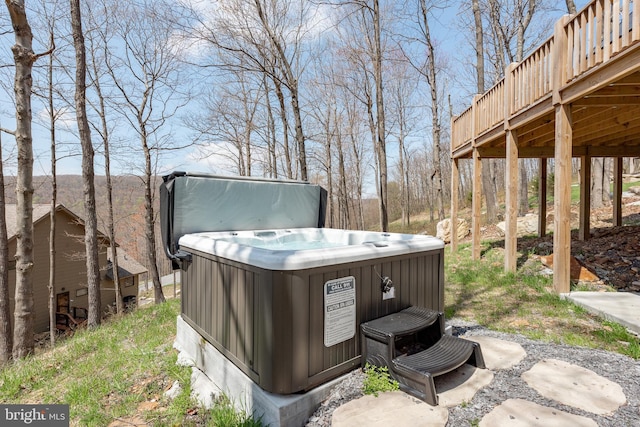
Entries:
{"x":576,"y":95}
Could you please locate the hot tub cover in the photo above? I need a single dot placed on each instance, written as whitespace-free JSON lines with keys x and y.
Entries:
{"x":194,"y":203}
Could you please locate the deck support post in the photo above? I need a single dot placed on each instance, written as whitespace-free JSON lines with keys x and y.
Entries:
{"x":455,"y":183}
{"x":562,"y":200}
{"x":476,"y":205}
{"x":511,"y":229}
{"x":542,"y":198}
{"x":476,"y":194}
{"x":617,"y":191}
{"x":585,"y":198}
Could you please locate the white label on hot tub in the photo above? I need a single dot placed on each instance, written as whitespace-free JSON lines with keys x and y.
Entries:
{"x":339,"y":310}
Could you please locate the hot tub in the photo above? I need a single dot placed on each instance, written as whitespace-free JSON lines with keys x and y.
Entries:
{"x":284,"y":303}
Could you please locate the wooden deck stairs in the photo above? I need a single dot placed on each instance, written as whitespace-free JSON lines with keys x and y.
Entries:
{"x":413,"y":345}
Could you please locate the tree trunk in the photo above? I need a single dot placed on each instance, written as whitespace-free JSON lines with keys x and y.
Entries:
{"x":54,"y":202}
{"x":404,"y":205}
{"x":435,"y":114}
{"x":601,"y":182}
{"x":523,"y":199}
{"x":607,"y":176}
{"x":571,"y":7}
{"x":292,"y":84}
{"x":345,"y":221}
{"x":487,"y":186}
{"x":479,"y":46}
{"x":111,"y":229}
{"x":149,"y":220}
{"x":91,"y":221}
{"x":357,"y":161}
{"x":380,"y":119}
{"x":524,"y":21}
{"x":597,"y":178}
{"x":24,"y":58}
{"x":329,"y":168}
{"x":285,"y":128}
{"x":6,"y":341}
{"x":271,"y":132}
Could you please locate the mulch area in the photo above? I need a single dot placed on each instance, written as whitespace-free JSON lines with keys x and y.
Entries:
{"x":611,"y":253}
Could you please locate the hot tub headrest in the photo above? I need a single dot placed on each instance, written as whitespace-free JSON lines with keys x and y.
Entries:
{"x":193,"y":203}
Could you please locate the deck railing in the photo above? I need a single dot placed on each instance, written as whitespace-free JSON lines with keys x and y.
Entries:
{"x":490,"y":107}
{"x":595,"y":35}
{"x":531,"y":78}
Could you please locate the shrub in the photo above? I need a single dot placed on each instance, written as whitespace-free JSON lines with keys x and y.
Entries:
{"x":378,"y":380}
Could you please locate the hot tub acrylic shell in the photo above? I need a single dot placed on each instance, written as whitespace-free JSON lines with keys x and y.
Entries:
{"x":264,"y":308}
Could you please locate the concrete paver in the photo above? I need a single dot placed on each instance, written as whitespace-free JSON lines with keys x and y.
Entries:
{"x":621,"y":307}
{"x":575,"y":386}
{"x":522,"y":413}
{"x":461,"y":385}
{"x":499,"y":354}
{"x":395,"y":409}
{"x":563,"y":382}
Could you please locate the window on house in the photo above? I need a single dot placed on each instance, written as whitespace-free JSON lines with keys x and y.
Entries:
{"x":82,"y":291}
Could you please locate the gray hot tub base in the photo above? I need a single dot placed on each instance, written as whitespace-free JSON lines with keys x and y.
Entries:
{"x":213,"y":374}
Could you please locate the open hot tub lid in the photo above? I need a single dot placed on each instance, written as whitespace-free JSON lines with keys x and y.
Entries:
{"x":194,"y":203}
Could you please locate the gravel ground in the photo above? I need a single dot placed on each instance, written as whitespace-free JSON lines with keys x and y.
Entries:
{"x":507,"y":384}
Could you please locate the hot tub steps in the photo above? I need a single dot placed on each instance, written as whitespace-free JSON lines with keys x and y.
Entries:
{"x":413,"y":345}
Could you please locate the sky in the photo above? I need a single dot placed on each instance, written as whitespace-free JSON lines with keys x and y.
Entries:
{"x":446,"y":33}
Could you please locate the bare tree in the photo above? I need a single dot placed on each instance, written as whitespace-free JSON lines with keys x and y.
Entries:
{"x":277,"y":42}
{"x":381,"y":144}
{"x":146,"y":75}
{"x":430,"y":73}
{"x":229,"y":116}
{"x":101,"y":39}
{"x":403,"y":83}
{"x":89,"y":192}
{"x":600,"y":182}
{"x":24,"y":57}
{"x":54,"y":195}
{"x":363,"y":40}
{"x":479,"y":45}
{"x":487,"y":181}
{"x":263,"y":37}
{"x":509,"y":23}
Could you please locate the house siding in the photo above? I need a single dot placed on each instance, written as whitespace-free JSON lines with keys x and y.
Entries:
{"x":70,"y":268}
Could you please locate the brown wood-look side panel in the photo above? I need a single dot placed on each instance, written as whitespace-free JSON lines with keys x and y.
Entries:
{"x":219,"y":299}
{"x":271,"y":323}
{"x":418,"y":280}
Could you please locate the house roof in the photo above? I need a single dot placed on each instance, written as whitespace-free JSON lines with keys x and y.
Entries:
{"x":40,"y":212}
{"x":127,"y":266}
